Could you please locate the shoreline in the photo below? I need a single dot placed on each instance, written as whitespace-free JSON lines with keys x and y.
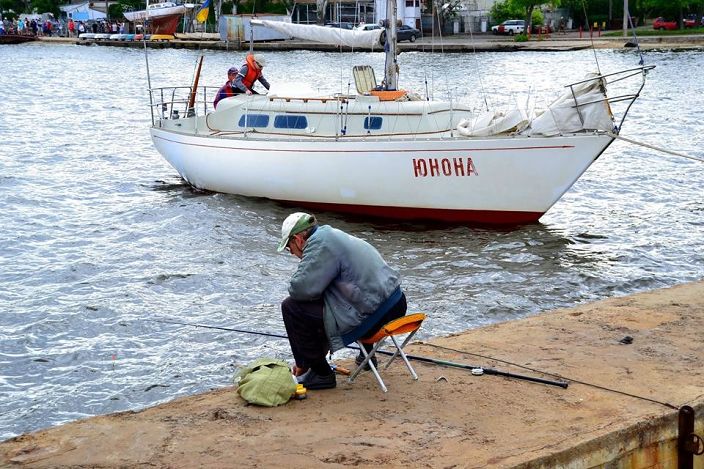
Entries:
{"x":452,"y":44}
{"x":620,"y":404}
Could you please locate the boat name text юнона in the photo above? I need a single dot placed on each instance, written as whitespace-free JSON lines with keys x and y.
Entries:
{"x":423,"y":167}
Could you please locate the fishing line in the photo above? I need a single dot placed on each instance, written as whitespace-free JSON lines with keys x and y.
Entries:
{"x":229,"y":329}
{"x":435,"y":361}
{"x":556,"y":375}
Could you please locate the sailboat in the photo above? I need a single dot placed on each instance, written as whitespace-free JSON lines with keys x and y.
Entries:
{"x":164,"y":16}
{"x":386,"y":152}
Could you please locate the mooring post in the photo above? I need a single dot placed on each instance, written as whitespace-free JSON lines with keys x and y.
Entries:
{"x":688,"y":442}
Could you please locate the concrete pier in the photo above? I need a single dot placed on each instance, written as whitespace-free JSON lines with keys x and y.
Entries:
{"x":457,"y":43}
{"x":631,"y":362}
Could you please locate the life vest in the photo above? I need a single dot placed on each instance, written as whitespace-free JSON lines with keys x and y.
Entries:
{"x":253,"y":72}
{"x":224,"y":92}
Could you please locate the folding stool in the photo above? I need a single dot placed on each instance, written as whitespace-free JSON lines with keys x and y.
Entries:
{"x":403,"y":325}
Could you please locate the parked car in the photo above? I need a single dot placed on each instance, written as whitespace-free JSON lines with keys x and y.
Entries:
{"x":690,"y":22}
{"x":340,"y":25}
{"x":368,"y":26}
{"x":407,"y":33}
{"x":510,"y":27}
{"x":662,"y":24}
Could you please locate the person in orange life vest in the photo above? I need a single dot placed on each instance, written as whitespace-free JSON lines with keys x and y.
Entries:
{"x":249,"y":73}
{"x":228,"y":89}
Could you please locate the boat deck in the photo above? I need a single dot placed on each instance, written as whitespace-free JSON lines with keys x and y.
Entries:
{"x":618,"y":411}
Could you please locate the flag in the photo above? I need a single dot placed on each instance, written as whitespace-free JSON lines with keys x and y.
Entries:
{"x":202,"y":14}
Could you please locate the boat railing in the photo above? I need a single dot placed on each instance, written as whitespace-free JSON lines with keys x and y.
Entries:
{"x":175,"y":102}
{"x":605,"y":80}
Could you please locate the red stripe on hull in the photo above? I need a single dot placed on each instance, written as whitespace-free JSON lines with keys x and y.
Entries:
{"x":475,"y":217}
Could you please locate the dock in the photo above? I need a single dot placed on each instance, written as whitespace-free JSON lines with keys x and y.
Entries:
{"x":632,"y":363}
{"x":451,"y":44}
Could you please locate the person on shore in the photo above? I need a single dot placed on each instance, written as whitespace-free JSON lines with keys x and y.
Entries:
{"x":342,"y":290}
{"x":249,"y":73}
{"x":228,"y":89}
{"x":71,"y":28}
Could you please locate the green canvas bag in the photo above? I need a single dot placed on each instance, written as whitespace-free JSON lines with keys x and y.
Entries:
{"x":266,"y":382}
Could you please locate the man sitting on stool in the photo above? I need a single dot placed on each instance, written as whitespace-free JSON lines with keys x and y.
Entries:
{"x":342,"y":290}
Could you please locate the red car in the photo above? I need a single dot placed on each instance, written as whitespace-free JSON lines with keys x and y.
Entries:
{"x":662,"y":24}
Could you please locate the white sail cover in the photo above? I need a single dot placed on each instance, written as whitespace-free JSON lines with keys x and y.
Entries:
{"x":338,"y":36}
{"x":563,"y":116}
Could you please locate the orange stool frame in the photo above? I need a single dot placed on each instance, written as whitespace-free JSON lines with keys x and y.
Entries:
{"x":404,"y":325}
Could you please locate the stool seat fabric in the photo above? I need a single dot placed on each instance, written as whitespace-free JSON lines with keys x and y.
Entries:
{"x":405,"y":325}
{"x":402,"y":325}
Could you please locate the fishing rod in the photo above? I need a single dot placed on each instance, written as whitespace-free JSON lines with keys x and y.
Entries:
{"x":475,"y":369}
{"x":229,"y":329}
{"x":480,"y":370}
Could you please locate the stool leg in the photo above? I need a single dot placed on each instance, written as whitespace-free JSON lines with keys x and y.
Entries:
{"x":374,"y":370}
{"x":396,"y":352}
{"x":361,"y":365}
{"x":405,"y":358}
{"x":367,"y":361}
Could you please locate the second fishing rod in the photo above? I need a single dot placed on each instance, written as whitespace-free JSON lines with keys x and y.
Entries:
{"x":475,"y":369}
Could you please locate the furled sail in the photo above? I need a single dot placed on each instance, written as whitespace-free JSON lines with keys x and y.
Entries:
{"x":341,"y":37}
{"x":583,"y":106}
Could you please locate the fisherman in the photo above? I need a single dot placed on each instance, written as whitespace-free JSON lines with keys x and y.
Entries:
{"x":342,"y":290}
{"x":228,"y":89}
{"x":249,"y":73}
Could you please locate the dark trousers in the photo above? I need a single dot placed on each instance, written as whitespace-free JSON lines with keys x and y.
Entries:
{"x":306,"y":332}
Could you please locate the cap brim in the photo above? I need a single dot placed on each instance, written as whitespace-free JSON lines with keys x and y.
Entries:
{"x":282,"y":244}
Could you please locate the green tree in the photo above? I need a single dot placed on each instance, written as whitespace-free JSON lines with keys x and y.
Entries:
{"x":12,"y":8}
{"x":524,"y":9}
{"x":506,"y":10}
{"x":258,"y":6}
{"x":44,"y":6}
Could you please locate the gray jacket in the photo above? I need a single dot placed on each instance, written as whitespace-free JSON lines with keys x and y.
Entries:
{"x":348,"y":273}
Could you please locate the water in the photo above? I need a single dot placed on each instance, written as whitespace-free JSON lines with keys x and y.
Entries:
{"x":99,"y":235}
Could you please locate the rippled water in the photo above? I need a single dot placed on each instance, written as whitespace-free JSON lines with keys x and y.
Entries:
{"x":99,"y":235}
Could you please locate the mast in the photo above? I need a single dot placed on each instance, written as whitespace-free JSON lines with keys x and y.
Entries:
{"x":390,"y":67}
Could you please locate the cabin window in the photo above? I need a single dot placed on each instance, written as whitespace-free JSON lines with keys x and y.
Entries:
{"x":254,"y":120}
{"x":372,"y":123}
{"x":290,"y":122}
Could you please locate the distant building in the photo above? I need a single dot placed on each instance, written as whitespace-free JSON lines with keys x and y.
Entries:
{"x":81,"y":12}
{"x":336,"y":11}
{"x":356,"y":12}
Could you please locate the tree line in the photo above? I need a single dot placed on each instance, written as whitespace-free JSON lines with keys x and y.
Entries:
{"x":608,"y":12}
{"x":583,"y":12}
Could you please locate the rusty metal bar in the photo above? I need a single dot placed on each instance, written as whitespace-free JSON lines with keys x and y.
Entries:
{"x":685,"y":455}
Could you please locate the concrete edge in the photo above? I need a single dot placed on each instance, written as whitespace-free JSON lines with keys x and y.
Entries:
{"x":649,"y":443}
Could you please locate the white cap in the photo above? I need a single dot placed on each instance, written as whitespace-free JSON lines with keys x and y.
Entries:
{"x":294,"y":224}
{"x":261,"y":61}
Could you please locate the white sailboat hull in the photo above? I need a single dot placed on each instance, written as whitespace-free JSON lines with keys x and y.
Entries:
{"x":152,"y":14}
{"x":476,"y":180}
